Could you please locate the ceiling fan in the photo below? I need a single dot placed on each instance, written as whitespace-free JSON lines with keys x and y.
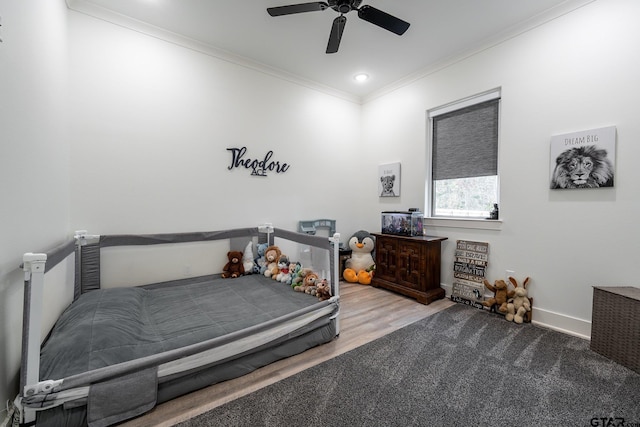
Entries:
{"x":367,"y":13}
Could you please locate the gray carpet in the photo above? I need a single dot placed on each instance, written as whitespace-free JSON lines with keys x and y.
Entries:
{"x":462,"y":366}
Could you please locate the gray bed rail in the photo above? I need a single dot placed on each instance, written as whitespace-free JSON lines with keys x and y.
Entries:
{"x":35,"y":393}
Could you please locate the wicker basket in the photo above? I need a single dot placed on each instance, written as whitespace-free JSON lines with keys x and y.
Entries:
{"x":615,"y":325}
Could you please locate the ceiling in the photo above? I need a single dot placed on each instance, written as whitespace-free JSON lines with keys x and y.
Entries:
{"x":294,"y":45}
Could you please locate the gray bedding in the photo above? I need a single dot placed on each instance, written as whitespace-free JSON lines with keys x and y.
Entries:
{"x":110,"y":326}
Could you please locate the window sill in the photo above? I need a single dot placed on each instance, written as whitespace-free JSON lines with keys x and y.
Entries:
{"x":479,"y":224}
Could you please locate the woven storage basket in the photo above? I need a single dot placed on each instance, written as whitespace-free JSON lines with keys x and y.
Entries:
{"x":615,"y":325}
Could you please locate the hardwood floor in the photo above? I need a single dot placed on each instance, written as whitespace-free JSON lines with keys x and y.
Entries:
{"x":366,"y":313}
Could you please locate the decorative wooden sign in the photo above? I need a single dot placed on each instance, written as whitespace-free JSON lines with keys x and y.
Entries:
{"x":257,"y":167}
{"x":469,"y":270}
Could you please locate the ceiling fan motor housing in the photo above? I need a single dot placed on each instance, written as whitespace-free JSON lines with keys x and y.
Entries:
{"x":344,"y":6}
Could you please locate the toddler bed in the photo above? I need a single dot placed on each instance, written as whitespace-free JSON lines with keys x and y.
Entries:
{"x":115,"y":353}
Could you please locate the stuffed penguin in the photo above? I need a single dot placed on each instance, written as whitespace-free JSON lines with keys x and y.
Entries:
{"x":361,"y":264}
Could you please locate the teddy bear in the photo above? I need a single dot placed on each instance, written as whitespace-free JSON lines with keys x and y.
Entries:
{"x":308,"y":282}
{"x":298,"y":278}
{"x":260,"y":263}
{"x":233,"y":268}
{"x":271,"y":256}
{"x":323,"y":290}
{"x":501,"y":294}
{"x":360,"y":266}
{"x":519,"y":304}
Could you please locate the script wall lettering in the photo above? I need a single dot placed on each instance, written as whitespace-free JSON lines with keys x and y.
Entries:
{"x":257,"y":167}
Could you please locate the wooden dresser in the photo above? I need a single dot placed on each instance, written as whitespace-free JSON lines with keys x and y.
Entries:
{"x":409,"y":265}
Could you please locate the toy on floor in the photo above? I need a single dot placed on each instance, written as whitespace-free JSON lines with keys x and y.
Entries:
{"x":360,"y":267}
{"x":233,"y":268}
{"x":501,"y":294}
{"x":519,"y":304}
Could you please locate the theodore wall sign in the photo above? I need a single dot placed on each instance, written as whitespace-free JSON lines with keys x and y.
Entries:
{"x":258,"y":167}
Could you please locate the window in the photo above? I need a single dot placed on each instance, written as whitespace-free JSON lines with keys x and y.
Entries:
{"x":464,"y":158}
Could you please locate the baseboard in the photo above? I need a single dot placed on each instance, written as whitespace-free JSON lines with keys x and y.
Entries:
{"x":551,"y":320}
{"x":562,"y":323}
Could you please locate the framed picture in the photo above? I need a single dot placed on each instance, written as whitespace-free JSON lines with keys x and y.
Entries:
{"x":389,"y":180}
{"x":583,"y":159}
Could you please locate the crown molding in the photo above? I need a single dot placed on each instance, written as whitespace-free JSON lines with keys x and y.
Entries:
{"x":98,"y":12}
{"x":90,"y":9}
{"x":502,"y":37}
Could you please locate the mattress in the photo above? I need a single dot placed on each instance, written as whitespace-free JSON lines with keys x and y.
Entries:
{"x":111,"y":326}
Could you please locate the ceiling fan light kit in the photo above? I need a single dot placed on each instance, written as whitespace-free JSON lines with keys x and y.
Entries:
{"x":366,"y":13}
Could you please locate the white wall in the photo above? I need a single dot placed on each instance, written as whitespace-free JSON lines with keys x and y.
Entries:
{"x":125,"y":133}
{"x":136,"y":140}
{"x":151,"y":125}
{"x":575,"y":73}
{"x":34,"y":157}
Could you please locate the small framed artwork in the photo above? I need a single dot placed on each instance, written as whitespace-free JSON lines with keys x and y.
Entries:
{"x":389,"y":180}
{"x":583,"y":159}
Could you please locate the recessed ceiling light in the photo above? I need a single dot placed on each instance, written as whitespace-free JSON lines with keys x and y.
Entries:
{"x":361,"y":77}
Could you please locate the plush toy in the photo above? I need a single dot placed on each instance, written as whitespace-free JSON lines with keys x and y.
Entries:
{"x":363,"y":277}
{"x":294,"y":268}
{"x":247,"y":258}
{"x":299,"y":277}
{"x":260,"y":263}
{"x":501,"y":294}
{"x":323,"y":290}
{"x":233,"y":268}
{"x":283,"y":269}
{"x":272,"y":255}
{"x":519,"y":304}
{"x":309,"y":282}
{"x":360,"y":266}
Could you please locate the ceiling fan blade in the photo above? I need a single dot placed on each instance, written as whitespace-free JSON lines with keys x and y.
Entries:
{"x":336,"y":34}
{"x":383,"y":19}
{"x":316,"y":6}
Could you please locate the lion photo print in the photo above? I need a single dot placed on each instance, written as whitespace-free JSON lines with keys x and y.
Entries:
{"x":583,"y":159}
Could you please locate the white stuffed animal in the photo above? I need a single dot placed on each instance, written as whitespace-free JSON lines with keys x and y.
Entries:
{"x":247,"y":258}
{"x":361,"y":245}
{"x":283,"y":269}
{"x":519,"y":304}
{"x":359,"y":267}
